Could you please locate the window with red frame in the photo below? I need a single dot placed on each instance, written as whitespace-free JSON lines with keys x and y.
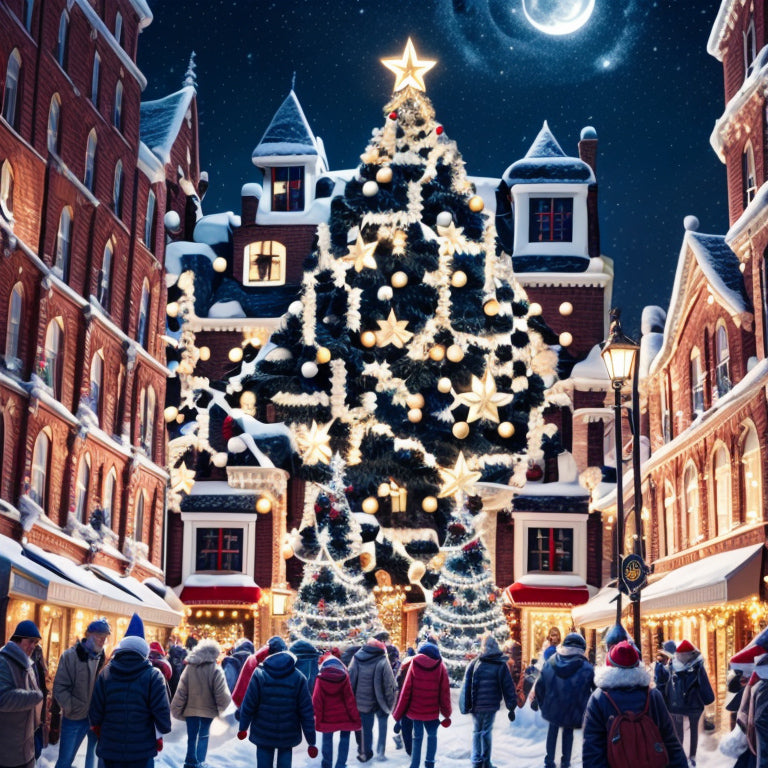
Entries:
{"x":550,"y":220}
{"x":219,"y":549}
{"x":550,"y":549}
{"x":288,"y":188}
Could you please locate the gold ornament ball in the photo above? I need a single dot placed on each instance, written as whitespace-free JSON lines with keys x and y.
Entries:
{"x":219,"y":459}
{"x":565,"y":339}
{"x":384,"y":175}
{"x":455,"y":353}
{"x":205,"y":353}
{"x":476,"y":204}
{"x":370,"y":505}
{"x":429,"y":504}
{"x":459,"y":279}
{"x":219,"y":264}
{"x":460,"y":430}
{"x":383,"y":491}
{"x":566,"y":308}
{"x":170,"y":413}
{"x":263,"y":505}
{"x":172,"y":310}
{"x":444,"y":385}
{"x":323,"y":355}
{"x":414,"y":415}
{"x":368,"y":339}
{"x":415,"y":400}
{"x":287,"y":552}
{"x":235,"y":354}
{"x":491,"y":307}
{"x":437,"y":353}
{"x":399,"y":279}
{"x":506,"y":429}
{"x":534,"y":308}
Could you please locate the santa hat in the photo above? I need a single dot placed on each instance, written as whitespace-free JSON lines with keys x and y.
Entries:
{"x":746,"y":658}
{"x":623,"y":655}
{"x":686,"y":646}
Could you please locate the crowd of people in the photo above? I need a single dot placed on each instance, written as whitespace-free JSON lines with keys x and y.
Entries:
{"x":121,"y":705}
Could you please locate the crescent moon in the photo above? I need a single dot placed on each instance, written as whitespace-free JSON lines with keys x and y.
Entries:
{"x":561,"y":26}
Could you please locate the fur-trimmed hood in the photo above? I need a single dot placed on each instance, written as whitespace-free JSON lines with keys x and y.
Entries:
{"x":620,"y":677}
{"x":204,"y":652}
{"x":685,"y":661}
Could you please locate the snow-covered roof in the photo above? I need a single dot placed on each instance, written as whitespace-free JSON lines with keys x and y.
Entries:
{"x":653,"y":319}
{"x":752,"y":218}
{"x":216,"y":228}
{"x":288,"y":134}
{"x":545,"y":162}
{"x":174,"y":253}
{"x":591,"y":368}
{"x":161,"y":121}
{"x":650,"y":346}
{"x":218,"y":580}
{"x":143,"y":12}
{"x":720,"y":29}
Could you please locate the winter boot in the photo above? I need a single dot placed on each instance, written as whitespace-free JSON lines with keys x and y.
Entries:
{"x":398,"y":739}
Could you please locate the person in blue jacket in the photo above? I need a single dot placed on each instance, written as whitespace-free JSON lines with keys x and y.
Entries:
{"x":562,"y":691}
{"x":233,"y":664}
{"x":487,"y":680}
{"x":129,"y":709}
{"x":306,"y":661}
{"x":277,"y":708}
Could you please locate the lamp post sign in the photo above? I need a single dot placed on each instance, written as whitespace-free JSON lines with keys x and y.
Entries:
{"x":634,"y":574}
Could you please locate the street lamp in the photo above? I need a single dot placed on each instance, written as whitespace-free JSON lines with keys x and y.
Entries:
{"x":619,"y":353}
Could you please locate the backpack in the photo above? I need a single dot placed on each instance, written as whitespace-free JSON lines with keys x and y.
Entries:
{"x":634,"y":739}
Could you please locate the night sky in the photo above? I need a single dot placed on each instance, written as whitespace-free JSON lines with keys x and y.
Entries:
{"x":638,"y":72}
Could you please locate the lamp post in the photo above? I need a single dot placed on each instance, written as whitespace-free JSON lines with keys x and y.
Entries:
{"x":618,"y":353}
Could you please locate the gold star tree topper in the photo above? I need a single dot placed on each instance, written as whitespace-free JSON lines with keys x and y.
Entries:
{"x":392,"y":331}
{"x":182,"y":479}
{"x":314,"y":443}
{"x":460,"y":479}
{"x":484,"y":399}
{"x":409,"y":69}
{"x":360,"y":254}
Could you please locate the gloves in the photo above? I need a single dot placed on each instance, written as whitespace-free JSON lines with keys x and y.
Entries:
{"x":534,"y":705}
{"x":159,"y":745}
{"x":511,"y":715}
{"x":446,"y":723}
{"x":97,"y":730}
{"x":242,"y":734}
{"x":312,"y":751}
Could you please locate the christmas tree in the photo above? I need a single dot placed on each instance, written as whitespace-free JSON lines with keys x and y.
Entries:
{"x":411,"y":351}
{"x":465,"y":602}
{"x":333,"y":605}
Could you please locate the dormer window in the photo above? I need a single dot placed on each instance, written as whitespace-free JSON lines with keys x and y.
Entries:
{"x":550,"y":220}
{"x":288,"y":188}
{"x":264,"y":263}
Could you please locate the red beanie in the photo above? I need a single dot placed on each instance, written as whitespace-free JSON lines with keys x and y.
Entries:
{"x":685,"y":646}
{"x":623,"y":654}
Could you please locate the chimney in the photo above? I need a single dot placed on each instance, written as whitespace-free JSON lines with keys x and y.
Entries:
{"x":588,"y":154}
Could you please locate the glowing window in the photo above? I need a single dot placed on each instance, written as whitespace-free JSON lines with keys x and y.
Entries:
{"x":751,"y":475}
{"x":265,"y":263}
{"x":721,"y":466}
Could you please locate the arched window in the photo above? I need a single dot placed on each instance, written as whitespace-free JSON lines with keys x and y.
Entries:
{"x":697,"y":384}
{"x":27,"y":9}
{"x":748,"y":174}
{"x":751,"y":474}
{"x":265,"y":263}
{"x":141,"y":331}
{"x":11,"y":91}
{"x":691,"y":487}
{"x":721,"y":470}
{"x":62,"y":43}
{"x":138,"y":523}
{"x":108,"y":497}
{"x":81,"y":489}
{"x":117,"y":190}
{"x":41,"y":456}
{"x":6,"y":190}
{"x":148,"y":404}
{"x":149,"y":221}
{"x":97,"y":381}
{"x":54,"y":120}
{"x":15,"y":314}
{"x":105,"y":275}
{"x":669,"y":517}
{"x":63,"y":243}
{"x":117,"y":112}
{"x":52,"y":362}
{"x":95,"y":76}
{"x":750,"y":45}
{"x":723,"y":357}
{"x":119,"y":28}
{"x":90,"y":161}
{"x":664,"y":407}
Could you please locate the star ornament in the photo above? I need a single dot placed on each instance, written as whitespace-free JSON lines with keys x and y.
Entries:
{"x":182,"y":479}
{"x":452,"y":237}
{"x":484,"y":399}
{"x":410,"y":69}
{"x":360,"y":254}
{"x":314,"y":443}
{"x":460,"y":479}
{"x":392,"y":331}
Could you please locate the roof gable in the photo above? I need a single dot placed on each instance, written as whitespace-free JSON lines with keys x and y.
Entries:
{"x":161,"y":121}
{"x":288,"y":133}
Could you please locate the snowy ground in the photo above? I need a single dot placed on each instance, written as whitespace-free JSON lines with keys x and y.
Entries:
{"x":515,"y":745}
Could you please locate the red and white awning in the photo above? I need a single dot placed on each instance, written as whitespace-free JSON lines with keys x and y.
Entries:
{"x":548,"y":590}
{"x":220,"y":589}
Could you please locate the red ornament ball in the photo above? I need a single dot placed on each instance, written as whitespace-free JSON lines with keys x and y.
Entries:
{"x":393,"y":115}
{"x":534,"y":472}
{"x":439,"y":130}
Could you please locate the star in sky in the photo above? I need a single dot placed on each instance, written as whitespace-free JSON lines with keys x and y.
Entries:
{"x":409,"y":69}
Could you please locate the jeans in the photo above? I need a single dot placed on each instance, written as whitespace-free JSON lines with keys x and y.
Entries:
{"x":197,"y":740}
{"x":482,"y":739}
{"x":567,"y":746}
{"x":693,"y":722}
{"x":406,"y":731}
{"x":265,"y":757}
{"x":72,"y":734}
{"x":367,"y":720}
{"x":327,"y":750}
{"x":419,"y":726}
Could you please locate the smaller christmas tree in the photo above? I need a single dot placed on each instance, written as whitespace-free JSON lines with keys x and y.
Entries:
{"x":334,"y":605}
{"x":465,"y":601}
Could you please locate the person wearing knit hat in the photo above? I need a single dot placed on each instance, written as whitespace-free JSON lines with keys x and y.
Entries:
{"x":662,"y":666}
{"x":373,"y":683}
{"x":233,"y":662}
{"x":21,"y":696}
{"x":76,"y":674}
{"x":562,"y":691}
{"x":615,"y":635}
{"x":277,"y":709}
{"x":158,"y":660}
{"x":487,"y":680}
{"x":129,"y":710}
{"x":624,"y":684}
{"x":688,"y":692}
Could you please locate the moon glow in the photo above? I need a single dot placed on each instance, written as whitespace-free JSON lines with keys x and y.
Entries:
{"x":558,"y":17}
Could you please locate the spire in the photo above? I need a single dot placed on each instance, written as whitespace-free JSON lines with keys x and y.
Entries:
{"x":190,"y":78}
{"x":293,"y":81}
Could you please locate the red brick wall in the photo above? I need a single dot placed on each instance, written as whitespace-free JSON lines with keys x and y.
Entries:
{"x":505,"y":537}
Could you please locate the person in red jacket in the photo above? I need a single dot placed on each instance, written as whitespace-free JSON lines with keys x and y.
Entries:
{"x":335,"y":710}
{"x":246,"y":673}
{"x":425,"y":695}
{"x":157,"y":659}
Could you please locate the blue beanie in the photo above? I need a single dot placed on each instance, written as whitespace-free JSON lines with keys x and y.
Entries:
{"x":27,"y":628}
{"x":615,"y":635}
{"x":135,"y":627}
{"x":431,"y":650}
{"x":575,"y":640}
{"x":99,"y":626}
{"x":276,"y":644}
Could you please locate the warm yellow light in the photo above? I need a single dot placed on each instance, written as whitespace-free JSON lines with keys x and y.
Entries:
{"x":235,"y":354}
